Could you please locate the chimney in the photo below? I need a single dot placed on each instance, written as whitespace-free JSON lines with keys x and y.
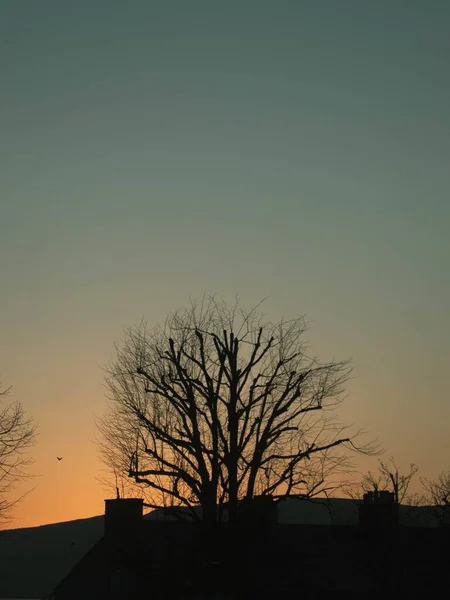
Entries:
{"x":123,"y":517}
{"x":379,"y":509}
{"x":260,"y":512}
{"x":123,"y":524}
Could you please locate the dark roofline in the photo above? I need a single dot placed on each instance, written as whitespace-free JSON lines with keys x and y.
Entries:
{"x":87,"y":557}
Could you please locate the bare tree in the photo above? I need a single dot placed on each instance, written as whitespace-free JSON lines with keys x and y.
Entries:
{"x":219,"y":406}
{"x":437,"y":494}
{"x":17,"y":435}
{"x":390,"y":478}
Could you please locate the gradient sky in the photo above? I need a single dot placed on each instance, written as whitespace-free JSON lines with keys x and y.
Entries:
{"x":291,"y":149}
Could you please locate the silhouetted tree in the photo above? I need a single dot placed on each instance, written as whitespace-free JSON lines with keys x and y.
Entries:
{"x":219,"y":406}
{"x":390,"y":478}
{"x":437,"y":494}
{"x":17,"y":435}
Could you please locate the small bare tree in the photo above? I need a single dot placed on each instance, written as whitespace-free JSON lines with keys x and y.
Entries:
{"x":219,"y":406}
{"x":17,"y":435}
{"x":437,"y":494}
{"x":390,"y":478}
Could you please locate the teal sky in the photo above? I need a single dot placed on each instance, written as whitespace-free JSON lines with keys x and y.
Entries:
{"x":291,"y":149}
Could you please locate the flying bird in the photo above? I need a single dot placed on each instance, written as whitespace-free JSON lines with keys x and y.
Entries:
{"x":59,"y":457}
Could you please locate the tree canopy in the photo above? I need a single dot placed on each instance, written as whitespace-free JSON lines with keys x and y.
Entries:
{"x":219,"y":405}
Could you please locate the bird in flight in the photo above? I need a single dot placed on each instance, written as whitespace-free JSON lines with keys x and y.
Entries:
{"x":59,"y":457}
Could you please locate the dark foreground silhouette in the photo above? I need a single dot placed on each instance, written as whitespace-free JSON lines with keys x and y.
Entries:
{"x":258,"y":558}
{"x":157,"y":557}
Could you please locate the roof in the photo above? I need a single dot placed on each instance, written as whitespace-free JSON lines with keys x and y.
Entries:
{"x":34,"y":559}
{"x":323,"y":511}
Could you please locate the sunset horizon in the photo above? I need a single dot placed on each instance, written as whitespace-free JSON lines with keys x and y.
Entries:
{"x":296,"y":152}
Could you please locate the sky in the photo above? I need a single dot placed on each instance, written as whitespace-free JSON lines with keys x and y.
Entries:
{"x":295,"y":150}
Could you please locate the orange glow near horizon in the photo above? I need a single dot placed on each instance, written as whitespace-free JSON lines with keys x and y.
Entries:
{"x":151,"y":156}
{"x":69,"y":489}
